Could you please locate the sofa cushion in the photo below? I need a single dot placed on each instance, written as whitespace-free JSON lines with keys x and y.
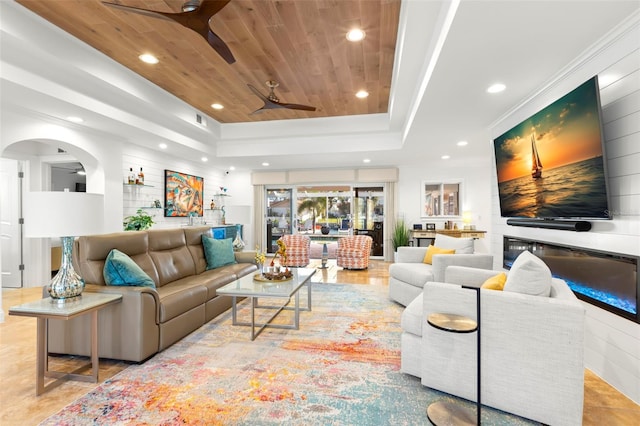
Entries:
{"x":172,"y":258}
{"x":119,"y":269}
{"x":90,"y":253}
{"x":529,"y":275}
{"x":411,"y":319}
{"x":496,"y":282}
{"x":218,"y":252}
{"x":181,"y":296}
{"x":431,"y":250}
{"x":416,"y":274}
{"x":213,"y":279}
{"x":461,"y":245}
{"x":193,"y":237}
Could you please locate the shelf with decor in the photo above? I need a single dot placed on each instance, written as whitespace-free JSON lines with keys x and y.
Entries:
{"x":218,"y":200}
{"x":141,"y":196}
{"x":217,"y":208}
{"x":137,"y":185}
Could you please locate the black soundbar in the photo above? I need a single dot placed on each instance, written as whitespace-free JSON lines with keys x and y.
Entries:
{"x":563,"y":225}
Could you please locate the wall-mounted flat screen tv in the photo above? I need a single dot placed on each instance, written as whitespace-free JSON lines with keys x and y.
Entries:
{"x":552,"y":165}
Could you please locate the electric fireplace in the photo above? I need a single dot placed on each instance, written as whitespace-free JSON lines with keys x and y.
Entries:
{"x":604,"y":279}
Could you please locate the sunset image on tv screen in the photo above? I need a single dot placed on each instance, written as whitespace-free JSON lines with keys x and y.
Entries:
{"x":552,"y":165}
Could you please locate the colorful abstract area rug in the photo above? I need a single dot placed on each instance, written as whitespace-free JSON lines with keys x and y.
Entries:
{"x":342,"y":367}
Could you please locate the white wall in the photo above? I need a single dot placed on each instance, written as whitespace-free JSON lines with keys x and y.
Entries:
{"x":475,"y":196}
{"x":154,"y":164}
{"x":612,"y":344}
{"x":100,"y":156}
{"x":107,"y":163}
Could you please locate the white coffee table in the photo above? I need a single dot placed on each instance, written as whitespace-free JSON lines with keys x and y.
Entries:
{"x":253,"y":289}
{"x":46,"y":309}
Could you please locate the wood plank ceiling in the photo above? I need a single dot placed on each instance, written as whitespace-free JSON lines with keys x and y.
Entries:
{"x":299,"y":43}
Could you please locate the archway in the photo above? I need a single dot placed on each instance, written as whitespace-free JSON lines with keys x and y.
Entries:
{"x":26,"y":166}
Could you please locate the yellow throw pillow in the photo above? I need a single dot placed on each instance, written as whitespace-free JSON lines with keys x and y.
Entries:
{"x":496,"y":282}
{"x":431,"y":250}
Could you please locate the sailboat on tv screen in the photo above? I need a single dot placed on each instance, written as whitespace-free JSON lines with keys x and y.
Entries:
{"x":536,"y":167}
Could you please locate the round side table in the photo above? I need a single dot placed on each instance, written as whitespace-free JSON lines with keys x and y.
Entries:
{"x":448,"y":413}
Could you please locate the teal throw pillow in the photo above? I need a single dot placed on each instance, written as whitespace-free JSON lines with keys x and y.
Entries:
{"x":218,"y":252}
{"x":119,"y":269}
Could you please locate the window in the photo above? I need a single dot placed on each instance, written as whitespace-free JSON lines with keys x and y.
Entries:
{"x":440,"y":199}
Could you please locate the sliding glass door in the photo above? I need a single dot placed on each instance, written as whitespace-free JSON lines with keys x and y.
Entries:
{"x":325,"y":213}
{"x":324,"y":209}
{"x":369,"y":216}
{"x":279,"y":220}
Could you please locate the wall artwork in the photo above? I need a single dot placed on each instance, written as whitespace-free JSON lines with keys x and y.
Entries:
{"x":183,"y":194}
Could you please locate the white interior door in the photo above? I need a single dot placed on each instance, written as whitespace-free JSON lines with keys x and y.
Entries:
{"x":10,"y":227}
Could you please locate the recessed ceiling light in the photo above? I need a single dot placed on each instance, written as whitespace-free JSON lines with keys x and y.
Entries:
{"x":265,"y":164}
{"x":462,"y":143}
{"x":163,"y":146}
{"x":148,"y":58}
{"x":205,"y":159}
{"x":496,"y":88}
{"x":232,"y":168}
{"x":217,"y":106}
{"x":362,"y":94}
{"x":445,"y":157}
{"x":355,"y":34}
{"x":74,"y":119}
{"x":366,"y":160}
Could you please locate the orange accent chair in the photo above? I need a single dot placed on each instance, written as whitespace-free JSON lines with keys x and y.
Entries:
{"x":353,"y":251}
{"x":298,"y":248}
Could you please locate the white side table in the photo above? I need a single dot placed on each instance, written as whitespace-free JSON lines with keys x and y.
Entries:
{"x":46,"y":309}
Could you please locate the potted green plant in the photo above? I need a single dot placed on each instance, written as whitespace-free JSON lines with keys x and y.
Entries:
{"x":138,"y":222}
{"x":401,"y":235}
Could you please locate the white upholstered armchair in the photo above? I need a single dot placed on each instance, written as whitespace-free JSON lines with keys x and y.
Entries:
{"x":409,"y":274}
{"x":531,"y":347}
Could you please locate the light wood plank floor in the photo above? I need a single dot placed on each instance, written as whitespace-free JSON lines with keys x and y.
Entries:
{"x":20,"y":406}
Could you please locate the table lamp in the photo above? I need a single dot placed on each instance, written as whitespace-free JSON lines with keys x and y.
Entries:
{"x":467,"y":218}
{"x":65,"y":215}
{"x":238,"y":215}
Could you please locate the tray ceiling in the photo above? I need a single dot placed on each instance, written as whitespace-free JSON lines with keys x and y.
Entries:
{"x":300,"y":44}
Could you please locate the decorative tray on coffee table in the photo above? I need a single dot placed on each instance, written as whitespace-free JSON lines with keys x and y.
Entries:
{"x":272,"y":277}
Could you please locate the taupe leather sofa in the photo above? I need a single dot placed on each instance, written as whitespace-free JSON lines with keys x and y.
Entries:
{"x":148,"y":320}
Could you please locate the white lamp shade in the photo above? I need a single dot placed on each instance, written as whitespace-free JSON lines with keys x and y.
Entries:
{"x":238,"y":214}
{"x":63,"y":214}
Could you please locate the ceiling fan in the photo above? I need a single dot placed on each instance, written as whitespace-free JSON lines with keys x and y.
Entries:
{"x":271,"y":101}
{"x":71,"y":168}
{"x":195,"y":15}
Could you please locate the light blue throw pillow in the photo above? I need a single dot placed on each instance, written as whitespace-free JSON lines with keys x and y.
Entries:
{"x":119,"y":269}
{"x":218,"y":252}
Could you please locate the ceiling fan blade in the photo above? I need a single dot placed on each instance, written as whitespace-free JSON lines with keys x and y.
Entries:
{"x":210,"y":7}
{"x":260,"y":95}
{"x":196,"y":20}
{"x":298,"y":106}
{"x":269,"y":104}
{"x":139,"y":11}
{"x":220,"y":47}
